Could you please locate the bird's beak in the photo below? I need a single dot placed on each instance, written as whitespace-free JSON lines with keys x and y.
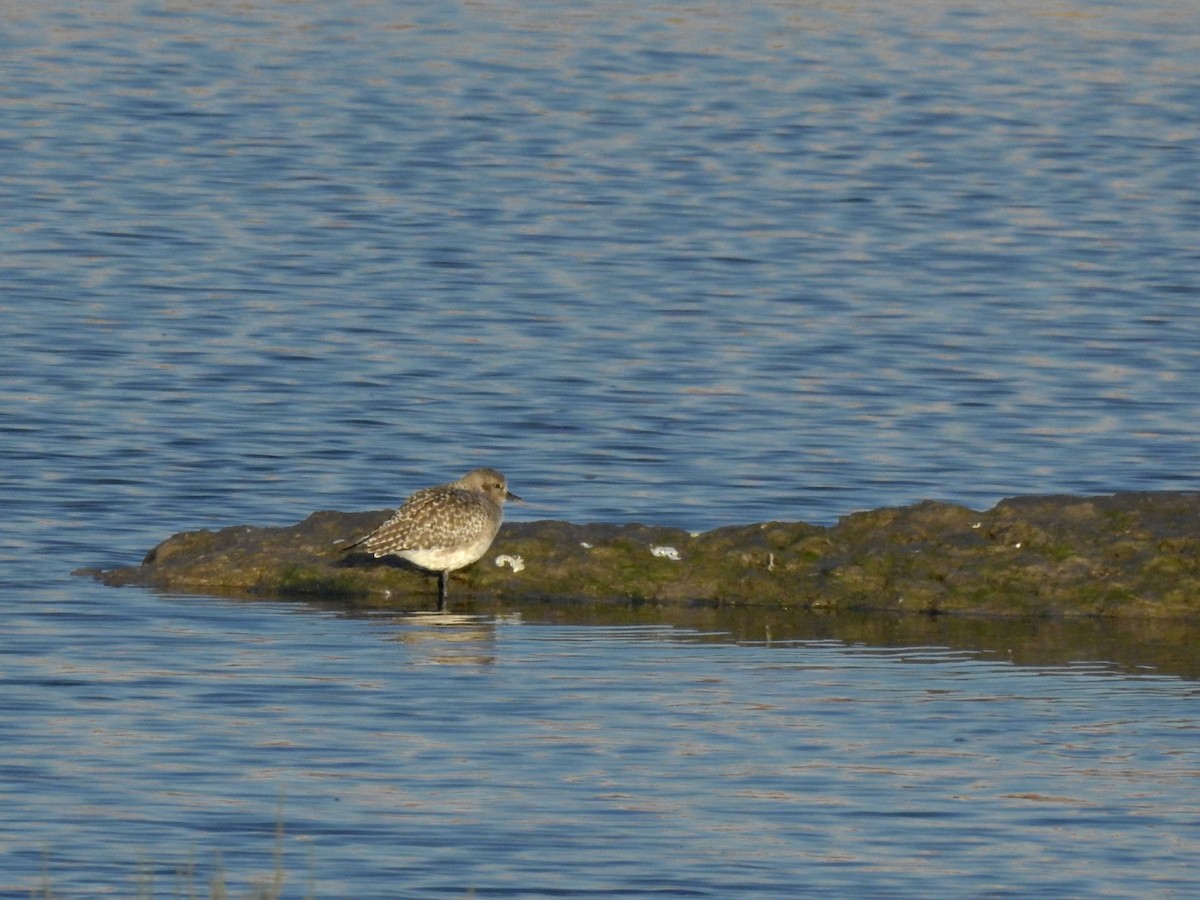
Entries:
{"x":509,"y":495}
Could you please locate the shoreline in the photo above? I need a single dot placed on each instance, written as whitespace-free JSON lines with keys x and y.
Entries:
{"x":1121,"y":555}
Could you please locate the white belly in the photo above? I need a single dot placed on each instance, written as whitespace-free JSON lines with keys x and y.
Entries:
{"x":442,"y":559}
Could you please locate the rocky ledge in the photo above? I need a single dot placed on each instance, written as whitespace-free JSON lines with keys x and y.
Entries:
{"x":1129,"y":554}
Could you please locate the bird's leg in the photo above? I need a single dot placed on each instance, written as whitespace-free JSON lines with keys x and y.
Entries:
{"x":442,"y":590}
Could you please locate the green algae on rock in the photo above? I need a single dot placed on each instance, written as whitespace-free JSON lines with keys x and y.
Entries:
{"x":1129,"y":554}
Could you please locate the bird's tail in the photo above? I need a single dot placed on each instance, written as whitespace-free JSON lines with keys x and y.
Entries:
{"x":346,"y":548}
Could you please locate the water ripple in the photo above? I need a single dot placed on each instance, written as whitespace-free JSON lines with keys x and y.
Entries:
{"x":683,"y":266}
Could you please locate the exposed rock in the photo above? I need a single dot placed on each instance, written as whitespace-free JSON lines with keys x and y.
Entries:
{"x":1132,"y":554}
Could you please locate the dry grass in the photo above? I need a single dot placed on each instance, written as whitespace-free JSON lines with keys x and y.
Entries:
{"x":268,"y":886}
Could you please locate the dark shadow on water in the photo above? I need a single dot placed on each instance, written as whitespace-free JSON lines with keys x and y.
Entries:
{"x":1147,"y":646}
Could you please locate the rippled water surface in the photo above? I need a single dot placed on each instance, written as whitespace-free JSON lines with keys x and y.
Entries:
{"x":683,"y":263}
{"x":441,"y":755}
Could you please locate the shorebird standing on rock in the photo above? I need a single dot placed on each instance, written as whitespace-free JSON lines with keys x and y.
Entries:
{"x":445,"y":527}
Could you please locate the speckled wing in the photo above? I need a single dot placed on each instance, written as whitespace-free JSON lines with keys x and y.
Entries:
{"x":435,"y":518}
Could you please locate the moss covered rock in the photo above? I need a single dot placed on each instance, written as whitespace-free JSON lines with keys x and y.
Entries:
{"x":1131,"y":554}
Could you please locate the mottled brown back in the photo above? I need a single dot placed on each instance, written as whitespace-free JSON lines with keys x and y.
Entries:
{"x":463,"y":512}
{"x":436,"y":517}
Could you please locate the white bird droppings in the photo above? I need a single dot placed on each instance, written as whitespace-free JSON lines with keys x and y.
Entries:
{"x":513,"y":562}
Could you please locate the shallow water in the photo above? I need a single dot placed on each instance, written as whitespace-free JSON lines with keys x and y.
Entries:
{"x":683,"y":264}
{"x":436,"y":755}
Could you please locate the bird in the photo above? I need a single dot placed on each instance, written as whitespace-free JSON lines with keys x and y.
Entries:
{"x":444,"y":527}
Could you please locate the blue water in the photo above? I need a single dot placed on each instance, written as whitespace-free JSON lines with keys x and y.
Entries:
{"x":434,"y":756}
{"x":691,"y":264}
